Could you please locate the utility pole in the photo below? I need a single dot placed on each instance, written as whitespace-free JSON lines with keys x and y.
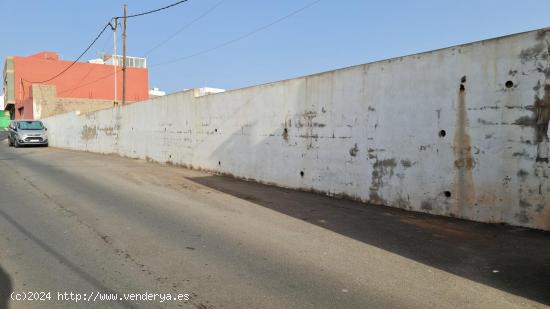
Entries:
{"x":114,"y":26}
{"x":124,"y":59}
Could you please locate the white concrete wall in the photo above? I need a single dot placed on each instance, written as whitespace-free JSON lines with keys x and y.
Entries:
{"x":369,"y":132}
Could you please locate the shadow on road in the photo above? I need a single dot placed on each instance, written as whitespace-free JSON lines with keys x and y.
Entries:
{"x":92,"y":281}
{"x":6,"y":288}
{"x":514,"y":260}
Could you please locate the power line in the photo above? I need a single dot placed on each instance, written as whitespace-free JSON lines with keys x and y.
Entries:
{"x":219,"y":46}
{"x":210,"y":10}
{"x":244,"y":36}
{"x":108,"y":50}
{"x":153,"y":11}
{"x":115,"y":19}
{"x":74,"y":62}
{"x":80,"y":85}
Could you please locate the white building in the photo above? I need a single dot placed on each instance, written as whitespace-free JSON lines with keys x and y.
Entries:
{"x":131,"y":62}
{"x":156,"y":92}
{"x":199,"y":92}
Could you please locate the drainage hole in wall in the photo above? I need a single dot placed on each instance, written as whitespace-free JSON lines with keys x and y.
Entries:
{"x":442,"y":133}
{"x":215,"y":130}
{"x":462,"y":87}
{"x":301,"y":173}
{"x":170,"y":156}
{"x":509,"y":84}
{"x":286,"y":130}
{"x":447,"y":193}
{"x":220,"y":163}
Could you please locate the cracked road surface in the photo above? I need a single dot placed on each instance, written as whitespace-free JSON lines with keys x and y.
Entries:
{"x":86,"y":223}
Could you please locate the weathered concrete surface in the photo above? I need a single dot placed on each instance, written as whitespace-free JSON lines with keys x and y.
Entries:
{"x":46,"y":103}
{"x":75,"y":221}
{"x":461,"y":131}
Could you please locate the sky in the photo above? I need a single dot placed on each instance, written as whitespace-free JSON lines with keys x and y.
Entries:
{"x":325,"y":36}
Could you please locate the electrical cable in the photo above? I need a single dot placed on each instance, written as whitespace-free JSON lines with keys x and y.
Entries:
{"x":92,"y":68}
{"x":244,"y":36}
{"x":225,"y":43}
{"x":210,"y":10}
{"x":74,"y":62}
{"x":153,"y":11}
{"x":93,"y":81}
{"x":98,"y":36}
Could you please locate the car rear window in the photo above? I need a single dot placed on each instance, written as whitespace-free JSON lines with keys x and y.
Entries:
{"x":30,"y":125}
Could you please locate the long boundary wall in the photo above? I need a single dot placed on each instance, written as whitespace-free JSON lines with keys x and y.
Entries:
{"x":461,"y":131}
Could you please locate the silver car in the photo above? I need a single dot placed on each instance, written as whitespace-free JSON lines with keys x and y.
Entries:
{"x":27,"y":132}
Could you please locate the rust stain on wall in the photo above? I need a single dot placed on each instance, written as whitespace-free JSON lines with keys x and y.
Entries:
{"x":88,"y":133}
{"x":308,"y":123}
{"x":353,"y":151}
{"x":464,"y":162}
{"x":541,"y":107}
{"x":286,"y":126}
{"x":531,"y":53}
{"x":542,"y":117}
{"x":380,"y":168}
{"x":285,"y":134}
{"x":109,"y":131}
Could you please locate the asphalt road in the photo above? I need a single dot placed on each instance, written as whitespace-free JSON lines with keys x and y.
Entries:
{"x":88,"y":223}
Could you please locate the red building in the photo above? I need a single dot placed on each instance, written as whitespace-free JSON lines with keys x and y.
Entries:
{"x":85,"y":86}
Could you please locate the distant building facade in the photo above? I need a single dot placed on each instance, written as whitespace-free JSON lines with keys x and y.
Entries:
{"x":86,"y":86}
